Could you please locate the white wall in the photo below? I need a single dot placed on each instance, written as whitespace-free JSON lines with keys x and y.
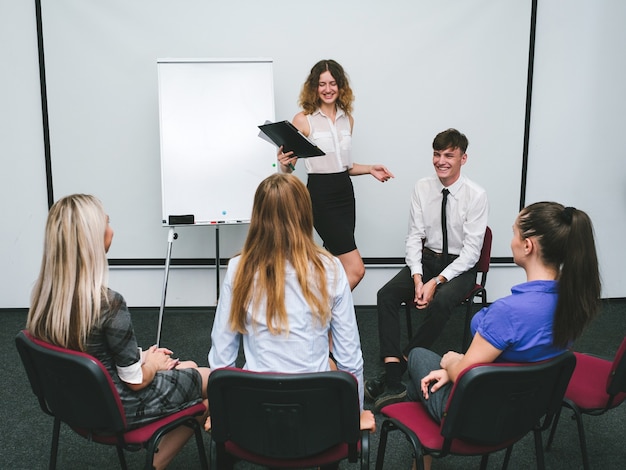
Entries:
{"x":195,"y":286}
{"x":577,"y":125}
{"x":409,"y":61}
{"x":23,"y":200}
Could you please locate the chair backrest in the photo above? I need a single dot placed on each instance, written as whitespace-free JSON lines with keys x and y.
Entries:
{"x":616,"y":382}
{"x":485,"y":254}
{"x":284,"y":416}
{"x":70,"y":385}
{"x":499,"y":402}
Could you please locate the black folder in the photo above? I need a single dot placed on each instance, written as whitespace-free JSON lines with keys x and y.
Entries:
{"x":286,"y":134}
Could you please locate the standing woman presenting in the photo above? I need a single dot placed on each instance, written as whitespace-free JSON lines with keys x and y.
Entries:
{"x":326,"y":100}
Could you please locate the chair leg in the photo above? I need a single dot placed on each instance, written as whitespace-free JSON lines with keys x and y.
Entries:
{"x":484,"y":460}
{"x":390,"y":425}
{"x":466,"y":327}
{"x":122,"y":458}
{"x":204,"y":465}
{"x":382,"y":444}
{"x":557,"y":415}
{"x":469,"y":314}
{"x":539,"y":449}
{"x":212,"y":454}
{"x":507,"y":458}
{"x":409,"y":324}
{"x":581,"y":436}
{"x":365,"y":450}
{"x":223,"y":461}
{"x":577,"y":415}
{"x":55,"y":443}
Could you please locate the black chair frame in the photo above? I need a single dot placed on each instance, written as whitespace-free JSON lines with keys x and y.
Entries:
{"x":285,"y":418}
{"x":76,"y":389}
{"x":491,"y":407}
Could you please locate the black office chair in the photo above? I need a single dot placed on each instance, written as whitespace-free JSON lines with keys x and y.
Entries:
{"x":285,"y":420}
{"x":490,"y":408}
{"x":76,"y":389}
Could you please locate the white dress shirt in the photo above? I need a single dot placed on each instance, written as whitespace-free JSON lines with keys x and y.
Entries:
{"x":467,"y":213}
{"x":305,"y":347}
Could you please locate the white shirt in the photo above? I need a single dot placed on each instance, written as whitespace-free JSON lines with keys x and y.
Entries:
{"x":335,"y":140}
{"x":467,"y":212}
{"x":305,"y":348}
{"x":132,"y":374}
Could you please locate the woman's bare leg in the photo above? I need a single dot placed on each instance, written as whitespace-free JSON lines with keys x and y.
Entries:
{"x":174,"y":441}
{"x":428,"y":460}
{"x":354,"y":267}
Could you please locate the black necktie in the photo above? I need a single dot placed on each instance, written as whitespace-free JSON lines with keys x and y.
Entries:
{"x":444,"y":226}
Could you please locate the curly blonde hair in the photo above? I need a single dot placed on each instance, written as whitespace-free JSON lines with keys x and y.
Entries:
{"x":309,"y":99}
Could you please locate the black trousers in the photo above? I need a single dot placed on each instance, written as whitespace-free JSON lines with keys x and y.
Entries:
{"x":402,"y":289}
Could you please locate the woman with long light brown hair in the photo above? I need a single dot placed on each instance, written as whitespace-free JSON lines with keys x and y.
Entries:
{"x":283,"y":296}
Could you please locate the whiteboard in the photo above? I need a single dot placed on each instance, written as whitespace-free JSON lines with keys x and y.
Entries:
{"x":212,"y":158}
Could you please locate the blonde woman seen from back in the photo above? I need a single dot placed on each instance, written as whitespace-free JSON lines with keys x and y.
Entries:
{"x":72,"y":307}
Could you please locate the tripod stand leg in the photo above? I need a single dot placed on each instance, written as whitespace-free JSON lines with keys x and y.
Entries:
{"x":170,"y":240}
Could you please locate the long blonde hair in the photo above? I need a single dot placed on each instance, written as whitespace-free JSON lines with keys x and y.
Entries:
{"x":72,"y":283}
{"x":281,"y":231}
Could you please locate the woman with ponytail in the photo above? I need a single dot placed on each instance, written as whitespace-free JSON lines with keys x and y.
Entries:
{"x":540,"y":319}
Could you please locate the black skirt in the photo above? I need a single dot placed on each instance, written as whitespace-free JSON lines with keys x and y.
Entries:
{"x":334,"y":212}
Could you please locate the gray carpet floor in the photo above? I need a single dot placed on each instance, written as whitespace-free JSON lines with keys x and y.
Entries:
{"x":26,"y":430}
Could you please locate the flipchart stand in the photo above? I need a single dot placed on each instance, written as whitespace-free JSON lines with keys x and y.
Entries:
{"x":171,"y":236}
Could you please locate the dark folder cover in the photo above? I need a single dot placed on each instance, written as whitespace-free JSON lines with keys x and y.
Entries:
{"x":286,"y":134}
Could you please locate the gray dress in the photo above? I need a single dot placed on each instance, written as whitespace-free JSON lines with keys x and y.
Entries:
{"x":113,"y":342}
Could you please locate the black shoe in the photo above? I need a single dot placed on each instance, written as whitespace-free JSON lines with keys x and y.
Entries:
{"x":389,"y":397}
{"x":374,"y":387}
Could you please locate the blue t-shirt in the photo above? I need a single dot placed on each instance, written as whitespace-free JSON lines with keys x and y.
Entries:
{"x":520,"y":325}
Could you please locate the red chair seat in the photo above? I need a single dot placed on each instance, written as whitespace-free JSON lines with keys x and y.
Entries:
{"x":334,"y":454}
{"x":416,"y":418}
{"x":141,"y":435}
{"x":584,"y":390}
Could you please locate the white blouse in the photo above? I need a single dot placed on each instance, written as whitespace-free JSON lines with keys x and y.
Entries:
{"x":305,"y":347}
{"x":335,"y":140}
